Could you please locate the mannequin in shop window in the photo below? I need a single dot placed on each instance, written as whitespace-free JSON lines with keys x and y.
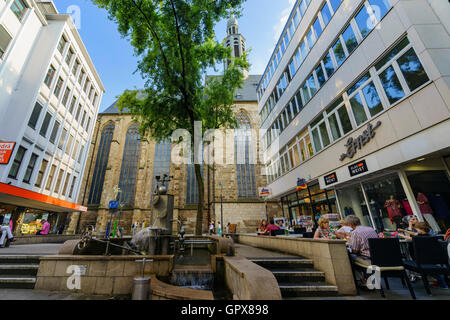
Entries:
{"x":427,"y":211}
{"x":394,"y":207}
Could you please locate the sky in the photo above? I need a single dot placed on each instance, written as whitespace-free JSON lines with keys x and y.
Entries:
{"x":261,"y":24}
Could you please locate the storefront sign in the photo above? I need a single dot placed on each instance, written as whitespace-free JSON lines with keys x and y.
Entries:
{"x":354,"y":144}
{"x":265,"y":192}
{"x":358,"y":168}
{"x":6,"y":149}
{"x":301,"y":184}
{"x":330,"y":179}
{"x":114,"y":204}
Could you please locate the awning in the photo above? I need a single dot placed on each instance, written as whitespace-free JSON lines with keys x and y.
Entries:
{"x":30,"y":199}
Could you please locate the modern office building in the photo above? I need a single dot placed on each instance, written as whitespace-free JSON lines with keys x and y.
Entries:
{"x":50,"y":94}
{"x":356,"y":103}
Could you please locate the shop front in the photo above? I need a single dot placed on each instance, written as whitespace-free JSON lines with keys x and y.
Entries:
{"x":24,"y":211}
{"x":304,"y":208}
{"x":383,"y":198}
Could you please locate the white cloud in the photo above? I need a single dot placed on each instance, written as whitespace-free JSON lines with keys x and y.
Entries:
{"x":284,"y":15}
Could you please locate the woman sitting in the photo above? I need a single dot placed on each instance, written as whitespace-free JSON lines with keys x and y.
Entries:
{"x":324,"y":230}
{"x":262,"y":229}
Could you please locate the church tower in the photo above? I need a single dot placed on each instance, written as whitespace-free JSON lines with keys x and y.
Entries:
{"x":235,"y":40}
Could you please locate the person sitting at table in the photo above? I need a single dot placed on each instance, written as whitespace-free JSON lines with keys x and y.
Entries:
{"x":280,"y":224}
{"x":323,"y":231}
{"x":359,"y":243}
{"x":271,"y":226}
{"x":412,"y":221}
{"x":422,"y":230}
{"x":345,"y":231}
{"x":45,"y":229}
{"x":262,"y":228}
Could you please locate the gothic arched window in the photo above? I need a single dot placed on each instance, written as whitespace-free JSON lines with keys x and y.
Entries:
{"x":161,"y":165}
{"x":98,"y":177}
{"x":130,"y":161}
{"x":245,"y":162}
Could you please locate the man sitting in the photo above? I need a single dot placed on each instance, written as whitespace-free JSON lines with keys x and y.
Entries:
{"x":45,"y":228}
{"x":359,"y":242}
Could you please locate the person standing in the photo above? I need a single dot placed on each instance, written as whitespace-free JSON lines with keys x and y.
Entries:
{"x":219,"y":228}
{"x":6,"y":231}
{"x":211,"y":228}
{"x":393,"y":207}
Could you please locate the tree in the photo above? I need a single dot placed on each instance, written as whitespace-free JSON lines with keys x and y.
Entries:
{"x":174,"y":40}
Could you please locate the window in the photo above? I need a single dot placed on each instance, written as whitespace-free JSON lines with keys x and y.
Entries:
{"x":5,"y":39}
{"x":310,"y":38}
{"x":17,"y":163}
{"x":58,"y":181}
{"x":83,"y":118}
{"x":317,"y":27}
{"x":328,"y":63}
{"x":383,"y":7}
{"x":75,"y":148}
{"x":80,"y":78}
{"x":320,"y":75}
{"x":62,"y":139}
{"x":80,"y":155}
{"x":306,"y":95}
{"x":62,"y":44}
{"x":161,"y":164}
{"x":95,"y":99}
{"x":338,"y":119}
{"x":306,"y":150}
{"x":312,"y":85}
{"x":72,"y":186}
{"x":101,"y":162}
{"x":65,"y":97}
{"x":358,"y":109}
{"x":350,"y":39}
{"x":19,"y":7}
{"x":72,"y":104}
{"x":45,"y":123}
{"x":391,"y":85}
{"x":86,"y":85}
{"x":302,"y":7}
{"x":49,"y":77}
{"x":69,"y":56}
{"x":35,"y":115}
{"x":69,"y":144}
{"x":88,"y":124}
{"x":54,"y":132}
{"x":372,"y":99}
{"x":245,"y":162}
{"x":50,"y":177}
{"x":58,"y":87}
{"x":412,"y":70}
{"x":41,"y":173}
{"x":326,"y":14}
{"x":345,"y":119}
{"x":320,"y":133}
{"x":75,"y":67}
{"x":66,"y":182}
{"x":78,"y":111}
{"x":130,"y":160}
{"x":335,"y":4}
{"x":364,"y":22}
{"x":30,"y":168}
{"x":339,"y":53}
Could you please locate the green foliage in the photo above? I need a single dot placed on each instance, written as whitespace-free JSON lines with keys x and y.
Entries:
{"x":174,"y":40}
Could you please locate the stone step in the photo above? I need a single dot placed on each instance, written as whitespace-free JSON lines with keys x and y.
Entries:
{"x":19,"y":269}
{"x":298,"y":276}
{"x":19,"y":259}
{"x":287,"y":263}
{"x":308,"y":289}
{"x":17,"y":282}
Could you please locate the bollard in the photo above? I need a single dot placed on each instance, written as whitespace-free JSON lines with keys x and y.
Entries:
{"x":141,"y":285}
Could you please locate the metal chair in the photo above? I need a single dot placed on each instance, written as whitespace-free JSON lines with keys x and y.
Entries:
{"x":386,"y":254}
{"x":431,"y":258}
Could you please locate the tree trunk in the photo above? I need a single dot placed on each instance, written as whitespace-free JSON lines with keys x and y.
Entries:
{"x":201,"y":195}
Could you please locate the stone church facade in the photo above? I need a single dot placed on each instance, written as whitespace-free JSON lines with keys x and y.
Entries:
{"x":120,"y":158}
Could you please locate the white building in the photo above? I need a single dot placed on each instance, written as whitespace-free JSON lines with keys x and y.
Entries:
{"x":50,"y":95}
{"x":376,"y":72}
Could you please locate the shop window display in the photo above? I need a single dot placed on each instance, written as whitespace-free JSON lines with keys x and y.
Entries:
{"x":352,"y":203}
{"x":385,"y":197}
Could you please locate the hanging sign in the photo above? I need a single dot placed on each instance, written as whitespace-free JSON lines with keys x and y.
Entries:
{"x":358,"y":143}
{"x":301,"y":184}
{"x":6,"y":149}
{"x":331,"y":179}
{"x":265,"y":192}
{"x":358,"y":168}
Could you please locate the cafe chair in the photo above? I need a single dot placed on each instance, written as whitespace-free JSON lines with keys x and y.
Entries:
{"x":431,"y":258}
{"x":299,"y":230}
{"x":386,"y":254}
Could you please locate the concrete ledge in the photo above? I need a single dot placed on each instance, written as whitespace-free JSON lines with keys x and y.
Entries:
{"x":222,"y":244}
{"x":162,"y":291}
{"x":51,"y":238}
{"x":248,"y":281}
{"x":329,"y":256}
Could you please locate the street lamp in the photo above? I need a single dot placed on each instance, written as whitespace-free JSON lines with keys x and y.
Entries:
{"x":221,"y":207}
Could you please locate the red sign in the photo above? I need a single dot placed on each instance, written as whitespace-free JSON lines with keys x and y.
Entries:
{"x":6,"y":149}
